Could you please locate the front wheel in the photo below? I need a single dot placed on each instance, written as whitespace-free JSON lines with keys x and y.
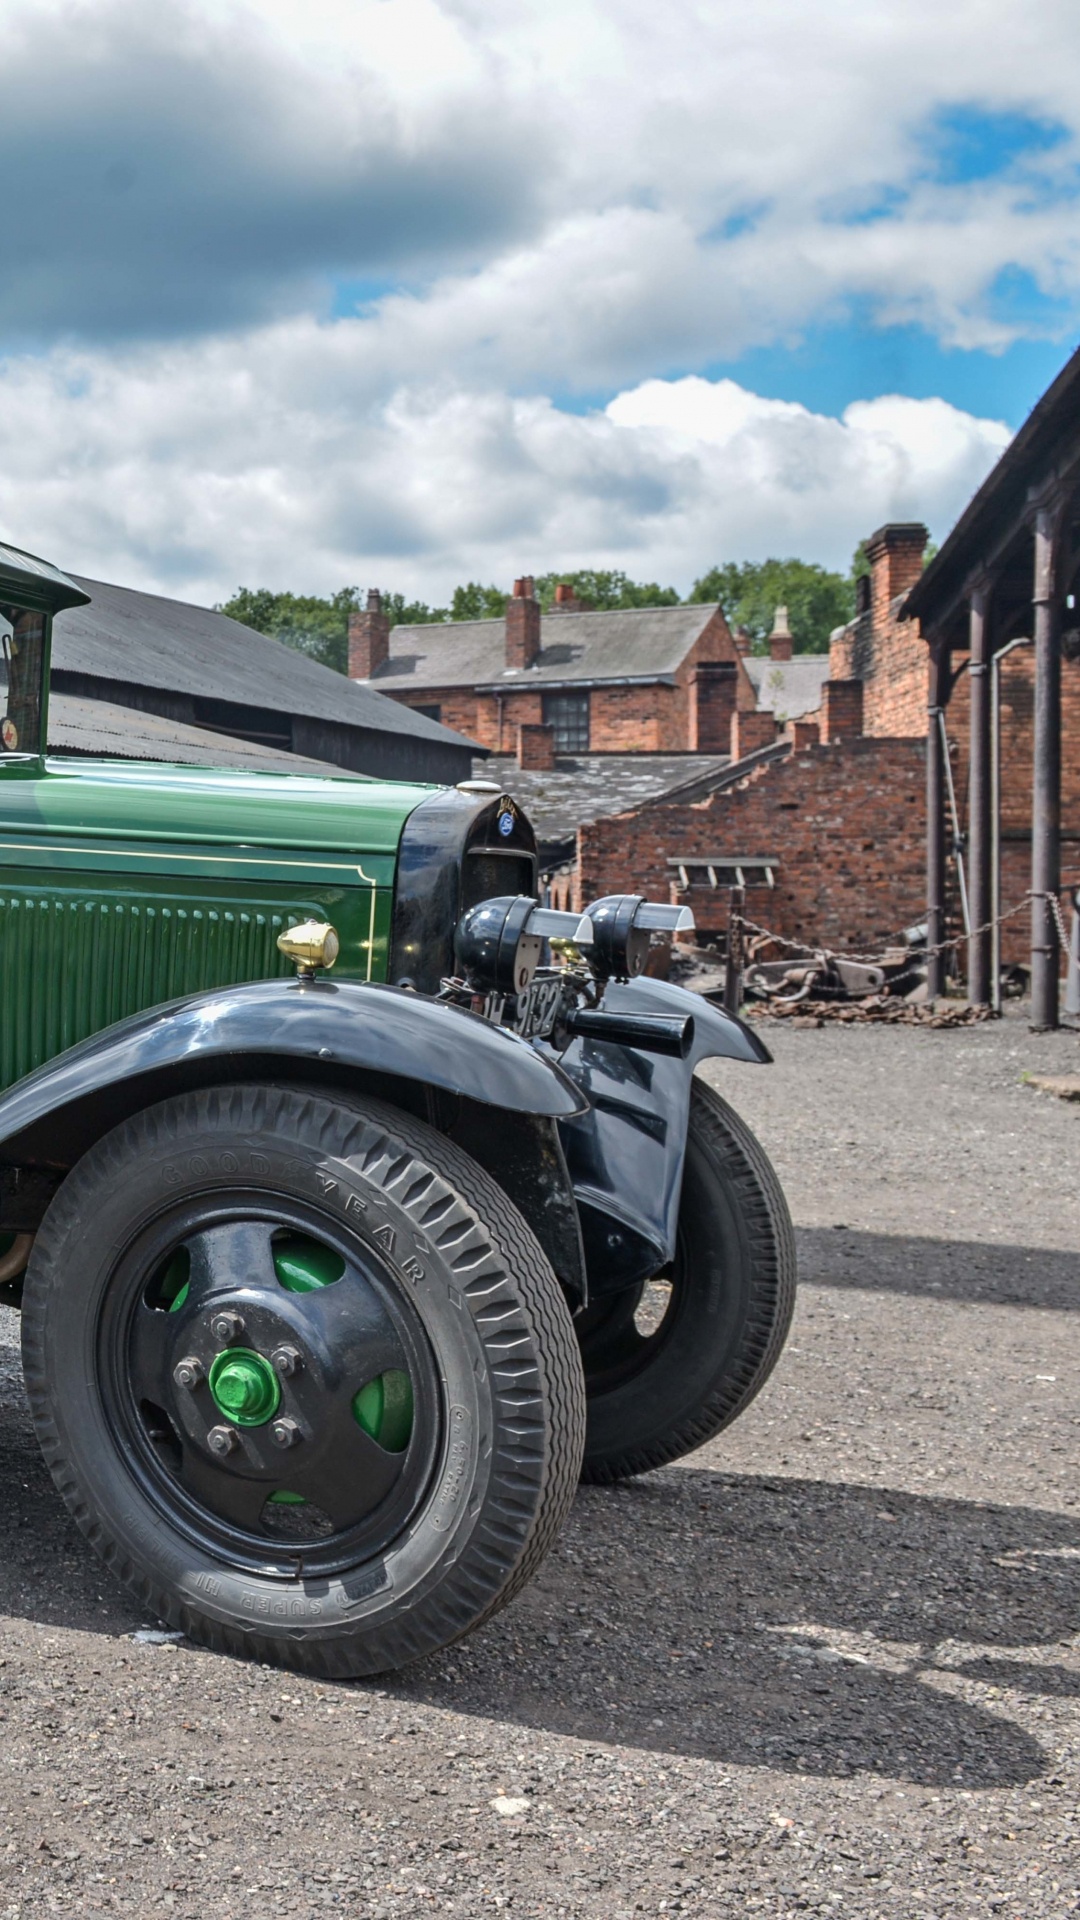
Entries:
{"x":303,"y":1375}
{"x":670,"y":1363}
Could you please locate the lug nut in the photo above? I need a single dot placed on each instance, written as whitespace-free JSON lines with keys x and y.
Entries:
{"x":226,"y":1327}
{"x":286,"y":1361}
{"x":285,"y":1432}
{"x":222,"y":1439}
{"x":188,"y":1372}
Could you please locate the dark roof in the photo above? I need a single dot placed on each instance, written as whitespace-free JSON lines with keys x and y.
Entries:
{"x":588,"y":786}
{"x":101,"y":728}
{"x":1002,"y":503}
{"x":789,"y":688}
{"x":23,"y":573}
{"x":639,"y":643}
{"x":147,"y":640}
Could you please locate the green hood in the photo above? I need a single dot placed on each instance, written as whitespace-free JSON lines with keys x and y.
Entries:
{"x":113,"y":800}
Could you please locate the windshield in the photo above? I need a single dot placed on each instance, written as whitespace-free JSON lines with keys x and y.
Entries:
{"x":22,"y":647}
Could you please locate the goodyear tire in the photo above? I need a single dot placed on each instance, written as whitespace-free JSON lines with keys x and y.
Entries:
{"x":668,"y":1366}
{"x":303,"y":1376}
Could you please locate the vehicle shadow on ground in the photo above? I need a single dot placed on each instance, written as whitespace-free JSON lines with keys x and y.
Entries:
{"x":941,"y":1269}
{"x":697,"y":1612}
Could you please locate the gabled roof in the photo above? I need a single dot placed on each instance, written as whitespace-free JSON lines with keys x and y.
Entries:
{"x":638,"y":643}
{"x":789,"y":688}
{"x":148,"y":640}
{"x":1047,"y":441}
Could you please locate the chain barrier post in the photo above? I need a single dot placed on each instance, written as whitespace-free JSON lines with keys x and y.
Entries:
{"x":735,"y":952}
{"x":1072,"y":973}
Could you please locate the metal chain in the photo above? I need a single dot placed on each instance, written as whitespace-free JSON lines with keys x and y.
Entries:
{"x":928,"y":953}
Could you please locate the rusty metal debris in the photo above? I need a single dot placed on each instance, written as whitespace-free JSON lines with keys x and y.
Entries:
{"x":879,"y":1009}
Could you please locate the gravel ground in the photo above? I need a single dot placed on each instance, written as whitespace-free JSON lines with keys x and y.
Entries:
{"x":829,"y":1665}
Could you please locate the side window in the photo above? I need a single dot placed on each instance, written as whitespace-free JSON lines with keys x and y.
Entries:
{"x":22,"y":657}
{"x":432,"y":712}
{"x":568,"y":713}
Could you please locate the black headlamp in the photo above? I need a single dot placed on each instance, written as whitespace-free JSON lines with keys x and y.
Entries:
{"x":622,"y":926}
{"x":498,"y":942}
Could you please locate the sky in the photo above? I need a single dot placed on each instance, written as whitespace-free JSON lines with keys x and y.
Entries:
{"x":314,"y":293}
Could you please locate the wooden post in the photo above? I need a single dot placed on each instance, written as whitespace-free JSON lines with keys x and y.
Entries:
{"x":979,"y":944}
{"x":935,"y":824}
{"x":1046,"y":783}
{"x":734,"y":968}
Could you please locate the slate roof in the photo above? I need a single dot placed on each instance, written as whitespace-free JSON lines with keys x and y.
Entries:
{"x":789,"y":687}
{"x":638,"y":643}
{"x":151,"y":641}
{"x":100,"y":727}
{"x":590,"y":786}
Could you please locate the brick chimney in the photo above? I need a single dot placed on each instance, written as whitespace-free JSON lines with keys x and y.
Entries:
{"x":714,"y":689}
{"x":536,"y":747}
{"x":841,"y":710}
{"x":895,"y":553}
{"x":369,"y":638}
{"x":781,"y":643}
{"x":744,"y":640}
{"x":522,"y":624}
{"x":750,"y":730}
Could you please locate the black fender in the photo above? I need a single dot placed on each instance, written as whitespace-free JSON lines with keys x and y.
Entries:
{"x":476,"y":1082}
{"x":626,"y":1151}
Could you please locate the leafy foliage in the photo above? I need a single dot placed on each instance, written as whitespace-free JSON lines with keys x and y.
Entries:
{"x":751,"y":590}
{"x":603,"y":590}
{"x":318,"y":627}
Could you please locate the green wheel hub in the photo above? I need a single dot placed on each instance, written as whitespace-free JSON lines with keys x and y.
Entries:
{"x":245,"y":1387}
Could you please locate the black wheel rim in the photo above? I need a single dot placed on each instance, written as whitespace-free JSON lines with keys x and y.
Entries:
{"x":200,"y":1338}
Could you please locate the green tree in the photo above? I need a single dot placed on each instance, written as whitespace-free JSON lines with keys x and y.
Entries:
{"x":475,"y":602}
{"x":751,"y":590}
{"x":604,"y":589}
{"x":315,"y":626}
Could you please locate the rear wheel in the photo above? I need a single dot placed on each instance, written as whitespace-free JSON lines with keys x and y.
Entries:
{"x":671,"y":1362}
{"x":303,"y":1375}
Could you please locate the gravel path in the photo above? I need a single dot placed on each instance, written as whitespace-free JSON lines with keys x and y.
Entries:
{"x":829,"y":1665}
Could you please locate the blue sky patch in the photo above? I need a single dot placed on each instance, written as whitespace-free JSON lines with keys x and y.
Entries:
{"x":966,"y":142}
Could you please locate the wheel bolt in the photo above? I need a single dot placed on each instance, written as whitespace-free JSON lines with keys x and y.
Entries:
{"x":222,"y":1440}
{"x":226,"y":1327}
{"x":286,"y":1361}
{"x":188,"y":1372}
{"x":285,"y":1432}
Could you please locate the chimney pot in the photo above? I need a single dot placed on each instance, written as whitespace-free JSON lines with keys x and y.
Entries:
{"x":744,"y":640}
{"x":781,"y":643}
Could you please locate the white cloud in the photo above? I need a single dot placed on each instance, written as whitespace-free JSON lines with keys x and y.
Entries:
{"x":576,"y":194}
{"x":277,"y":460}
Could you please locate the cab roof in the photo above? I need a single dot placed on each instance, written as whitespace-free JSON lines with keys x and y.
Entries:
{"x":32,"y":582}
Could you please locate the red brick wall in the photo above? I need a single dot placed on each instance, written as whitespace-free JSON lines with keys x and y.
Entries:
{"x":841,"y":709}
{"x":536,"y":748}
{"x":751,"y":731}
{"x":846,"y":822}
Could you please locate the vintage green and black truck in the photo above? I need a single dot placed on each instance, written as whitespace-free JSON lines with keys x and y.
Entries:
{"x":334,"y":1283}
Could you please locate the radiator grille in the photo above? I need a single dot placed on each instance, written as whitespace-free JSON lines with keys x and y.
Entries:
{"x":69,"y":966}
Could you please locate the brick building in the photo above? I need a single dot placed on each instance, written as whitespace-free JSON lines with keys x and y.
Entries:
{"x":568,"y":682}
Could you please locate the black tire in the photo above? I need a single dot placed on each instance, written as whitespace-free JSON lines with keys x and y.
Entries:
{"x":656,"y":1392}
{"x":437,"y":1269}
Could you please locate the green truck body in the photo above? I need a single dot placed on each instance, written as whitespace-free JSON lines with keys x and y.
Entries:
{"x":333,"y":1285}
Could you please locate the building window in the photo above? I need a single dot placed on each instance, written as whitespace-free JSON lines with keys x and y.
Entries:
{"x":568,"y":713}
{"x":430,"y":712}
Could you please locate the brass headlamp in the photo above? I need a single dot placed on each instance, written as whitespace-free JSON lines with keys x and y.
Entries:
{"x":311,"y":945}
